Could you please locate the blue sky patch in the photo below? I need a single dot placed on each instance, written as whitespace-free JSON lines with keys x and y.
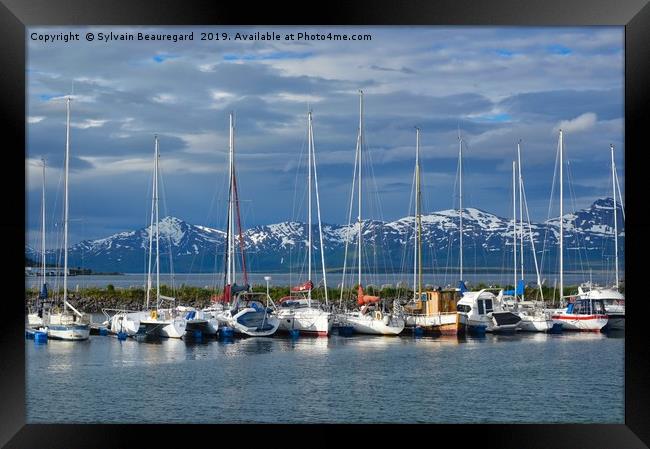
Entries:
{"x":558,"y":49}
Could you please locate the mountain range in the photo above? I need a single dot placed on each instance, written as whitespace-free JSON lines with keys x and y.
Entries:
{"x":388,"y":246}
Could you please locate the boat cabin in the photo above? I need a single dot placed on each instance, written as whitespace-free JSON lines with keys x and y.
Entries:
{"x":433,"y":303}
{"x":586,"y":306}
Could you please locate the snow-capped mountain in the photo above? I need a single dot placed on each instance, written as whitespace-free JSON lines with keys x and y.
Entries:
{"x":487,"y":242}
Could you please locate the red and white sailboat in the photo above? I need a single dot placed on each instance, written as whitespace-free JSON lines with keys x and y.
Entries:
{"x":582,"y":313}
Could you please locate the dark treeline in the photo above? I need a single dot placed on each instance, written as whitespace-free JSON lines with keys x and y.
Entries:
{"x":94,"y":299}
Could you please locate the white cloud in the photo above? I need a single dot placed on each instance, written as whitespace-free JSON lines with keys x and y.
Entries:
{"x":164,"y":98}
{"x":581,"y":123}
{"x":35,"y":119}
{"x":88,"y":123}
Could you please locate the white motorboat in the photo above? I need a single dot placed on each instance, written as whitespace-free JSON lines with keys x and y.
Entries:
{"x":199,"y":320}
{"x":613,"y":300}
{"x":482,"y":311}
{"x":582,"y":314}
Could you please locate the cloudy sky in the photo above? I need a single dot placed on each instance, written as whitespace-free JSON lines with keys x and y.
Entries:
{"x":495,"y":85}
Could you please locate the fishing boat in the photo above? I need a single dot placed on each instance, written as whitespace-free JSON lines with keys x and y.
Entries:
{"x":248,"y":314}
{"x":69,"y":323}
{"x":372,"y":316}
{"x":433,"y":311}
{"x":152,"y":321}
{"x":582,"y":313}
{"x":533,"y":316}
{"x":299,"y":311}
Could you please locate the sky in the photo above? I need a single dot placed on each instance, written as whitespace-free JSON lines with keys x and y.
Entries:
{"x":494,"y":85}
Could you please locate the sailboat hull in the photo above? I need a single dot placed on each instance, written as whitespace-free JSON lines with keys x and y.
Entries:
{"x":374,"y":325}
{"x":307,"y":320}
{"x":440,"y":324}
{"x":70,"y":332}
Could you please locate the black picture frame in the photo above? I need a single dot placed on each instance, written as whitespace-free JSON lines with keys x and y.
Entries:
{"x":15,"y":15}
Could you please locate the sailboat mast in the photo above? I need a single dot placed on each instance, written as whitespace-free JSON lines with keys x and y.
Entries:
{"x":65,"y":207}
{"x":229,"y":273}
{"x":320,"y":227}
{"x":418,"y":212}
{"x":521,"y":213}
{"x":561,"y":218}
{"x":43,"y":223}
{"x":460,"y":209}
{"x":615,"y":218}
{"x":514,"y":225}
{"x":153,"y":202}
{"x":359,"y":202}
{"x":309,"y":242}
{"x":157,"y":227}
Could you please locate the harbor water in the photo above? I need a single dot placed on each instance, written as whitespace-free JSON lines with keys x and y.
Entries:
{"x":520,"y":378}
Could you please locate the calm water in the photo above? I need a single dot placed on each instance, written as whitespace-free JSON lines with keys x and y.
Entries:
{"x":333,"y":279}
{"x":539,"y":378}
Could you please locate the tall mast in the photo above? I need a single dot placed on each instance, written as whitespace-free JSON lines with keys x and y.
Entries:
{"x":229,"y":270}
{"x":460,"y":209}
{"x":153,"y":202}
{"x":561,"y":218}
{"x":615,"y":218}
{"x":65,"y":208}
{"x":320,"y":227}
{"x":309,"y":242}
{"x":360,"y":150}
{"x":514,"y":224}
{"x":418,"y":217}
{"x":43,"y":224}
{"x":521,"y":213}
{"x":157,"y":226}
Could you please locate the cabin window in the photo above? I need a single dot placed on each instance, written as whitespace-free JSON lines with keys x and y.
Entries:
{"x":463,"y":308}
{"x":598,"y":307}
{"x":488,"y":306}
{"x":481,"y":307}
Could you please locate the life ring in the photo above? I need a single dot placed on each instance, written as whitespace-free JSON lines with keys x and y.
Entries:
{"x":154,"y":315}
{"x":378,"y":315}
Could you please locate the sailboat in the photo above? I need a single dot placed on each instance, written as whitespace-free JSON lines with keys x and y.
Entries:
{"x":35,"y":318}
{"x":533,"y":316}
{"x":433,"y":311}
{"x":369,"y":318}
{"x":153,"y":321}
{"x":248,"y":314}
{"x":583,"y":313}
{"x":299,"y":311}
{"x":478,"y":311}
{"x":612,"y":298}
{"x":69,"y":324}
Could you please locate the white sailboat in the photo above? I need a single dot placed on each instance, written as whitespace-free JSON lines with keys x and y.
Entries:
{"x":582,"y":313}
{"x":612,"y":298}
{"x":478,"y":311}
{"x":69,"y":324}
{"x":153,"y":321}
{"x":248,"y":314}
{"x":369,"y":319}
{"x":298,"y":311}
{"x":35,"y":317}
{"x":534,"y":317}
{"x":432,"y":311}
